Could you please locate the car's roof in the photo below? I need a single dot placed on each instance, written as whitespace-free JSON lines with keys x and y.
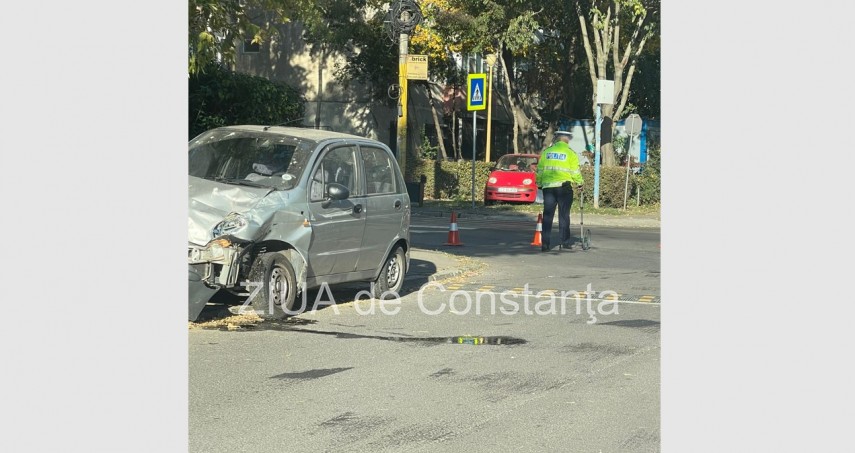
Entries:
{"x":316,"y":135}
{"x":521,"y":155}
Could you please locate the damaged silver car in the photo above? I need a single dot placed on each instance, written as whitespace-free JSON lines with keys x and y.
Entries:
{"x":275,"y":211}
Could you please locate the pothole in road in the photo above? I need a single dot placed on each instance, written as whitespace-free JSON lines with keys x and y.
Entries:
{"x":492,"y":340}
{"x":644,"y":324}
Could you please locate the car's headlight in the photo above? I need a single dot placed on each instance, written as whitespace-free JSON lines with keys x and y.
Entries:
{"x":492,"y":180}
{"x":527,"y":181}
{"x":233,"y":223}
{"x":216,"y":249}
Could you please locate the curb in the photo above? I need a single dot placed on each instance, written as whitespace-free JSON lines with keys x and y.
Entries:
{"x":443,"y":274}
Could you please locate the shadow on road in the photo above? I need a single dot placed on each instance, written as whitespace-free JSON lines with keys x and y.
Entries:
{"x":321,"y":298}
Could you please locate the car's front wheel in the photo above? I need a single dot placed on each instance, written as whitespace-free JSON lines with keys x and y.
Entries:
{"x":278,"y":292}
{"x":391,"y":278}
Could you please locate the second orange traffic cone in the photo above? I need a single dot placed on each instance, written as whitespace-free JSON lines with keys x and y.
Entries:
{"x":453,"y":234}
{"x":538,"y":230}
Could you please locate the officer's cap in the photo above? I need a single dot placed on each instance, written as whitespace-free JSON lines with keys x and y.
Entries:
{"x":563,"y":134}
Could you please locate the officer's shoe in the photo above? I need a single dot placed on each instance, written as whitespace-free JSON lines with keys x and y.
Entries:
{"x":544,"y":246}
{"x":566,"y":245}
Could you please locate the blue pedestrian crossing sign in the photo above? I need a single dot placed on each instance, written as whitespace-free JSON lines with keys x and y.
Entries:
{"x":476,"y":96}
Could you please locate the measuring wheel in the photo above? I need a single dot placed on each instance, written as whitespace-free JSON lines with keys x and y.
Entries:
{"x":586,"y":239}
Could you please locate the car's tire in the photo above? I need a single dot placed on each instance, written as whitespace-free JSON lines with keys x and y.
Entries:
{"x":391,"y":277}
{"x":279,"y":284}
{"x":489,"y":202}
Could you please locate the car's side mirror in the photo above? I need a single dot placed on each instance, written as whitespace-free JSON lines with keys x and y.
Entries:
{"x":335,"y":191}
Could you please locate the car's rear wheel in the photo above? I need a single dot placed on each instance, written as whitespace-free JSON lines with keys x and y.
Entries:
{"x":489,"y":202}
{"x":391,"y":278}
{"x":278,"y":292}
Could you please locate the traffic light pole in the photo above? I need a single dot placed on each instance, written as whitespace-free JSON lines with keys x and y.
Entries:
{"x":402,"y":102}
{"x":491,"y":61}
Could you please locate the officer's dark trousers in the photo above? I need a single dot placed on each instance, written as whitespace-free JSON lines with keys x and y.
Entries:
{"x":563,"y":198}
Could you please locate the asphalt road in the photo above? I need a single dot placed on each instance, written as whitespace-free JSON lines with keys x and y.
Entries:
{"x":552,"y":375}
{"x":623,"y":260}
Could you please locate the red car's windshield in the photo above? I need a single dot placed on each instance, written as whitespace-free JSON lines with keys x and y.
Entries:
{"x":516,"y":162}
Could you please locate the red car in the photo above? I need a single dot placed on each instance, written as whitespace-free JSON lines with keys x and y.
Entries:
{"x":512,"y":179}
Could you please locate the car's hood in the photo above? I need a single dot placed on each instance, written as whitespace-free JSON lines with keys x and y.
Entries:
{"x":511,"y":178}
{"x":211,"y":201}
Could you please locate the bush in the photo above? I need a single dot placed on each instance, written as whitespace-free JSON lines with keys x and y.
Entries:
{"x":612,"y":184}
{"x":219,"y":97}
{"x":650,"y":179}
{"x":450,"y":179}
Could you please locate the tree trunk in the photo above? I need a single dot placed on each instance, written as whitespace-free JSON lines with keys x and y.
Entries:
{"x":454,"y":144}
{"x":460,"y":137}
{"x":607,"y":41}
{"x":515,"y":113}
{"x":441,"y":155}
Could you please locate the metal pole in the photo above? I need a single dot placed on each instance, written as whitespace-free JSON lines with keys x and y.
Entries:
{"x":597,"y":125}
{"x":474,"y":131}
{"x":489,"y":109}
{"x":628,"y":160}
{"x":402,"y":102}
{"x":479,"y":64}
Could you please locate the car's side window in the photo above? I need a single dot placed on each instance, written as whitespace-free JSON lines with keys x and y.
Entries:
{"x":379,"y":174}
{"x":337,"y":166}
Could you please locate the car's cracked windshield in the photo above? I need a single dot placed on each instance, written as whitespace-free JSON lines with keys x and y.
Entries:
{"x":249,"y":159}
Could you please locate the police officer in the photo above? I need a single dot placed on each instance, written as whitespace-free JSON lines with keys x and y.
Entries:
{"x":557,"y":172}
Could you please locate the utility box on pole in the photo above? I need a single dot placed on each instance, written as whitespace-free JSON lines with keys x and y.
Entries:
{"x":605,"y":95}
{"x":605,"y":91}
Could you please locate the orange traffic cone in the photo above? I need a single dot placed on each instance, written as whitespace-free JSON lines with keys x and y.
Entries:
{"x":537,"y":230}
{"x":453,"y":234}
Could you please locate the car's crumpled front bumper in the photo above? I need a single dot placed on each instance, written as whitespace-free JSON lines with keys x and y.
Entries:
{"x":211,"y":268}
{"x":199,"y":292}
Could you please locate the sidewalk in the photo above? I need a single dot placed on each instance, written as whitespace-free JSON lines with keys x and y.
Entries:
{"x":431,"y":265}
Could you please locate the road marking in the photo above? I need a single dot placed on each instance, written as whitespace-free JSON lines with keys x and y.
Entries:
{"x":554,"y":293}
{"x":442,"y":227}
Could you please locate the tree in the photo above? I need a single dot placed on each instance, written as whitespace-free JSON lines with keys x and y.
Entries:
{"x":641,"y":16}
{"x":504,"y":27}
{"x":431,"y":39}
{"x":217,"y":26}
{"x":219,"y":97}
{"x":553,"y":80}
{"x":445,"y":32}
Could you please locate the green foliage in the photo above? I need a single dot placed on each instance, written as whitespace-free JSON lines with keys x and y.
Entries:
{"x":450,"y":180}
{"x":216,"y":27}
{"x":219,"y":97}
{"x":650,"y":180}
{"x":375,"y":64}
{"x":426,"y":150}
{"x":612,"y":184}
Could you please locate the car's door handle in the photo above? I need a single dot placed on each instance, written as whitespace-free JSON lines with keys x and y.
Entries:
{"x":357,"y":209}
{"x":397,"y":204}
